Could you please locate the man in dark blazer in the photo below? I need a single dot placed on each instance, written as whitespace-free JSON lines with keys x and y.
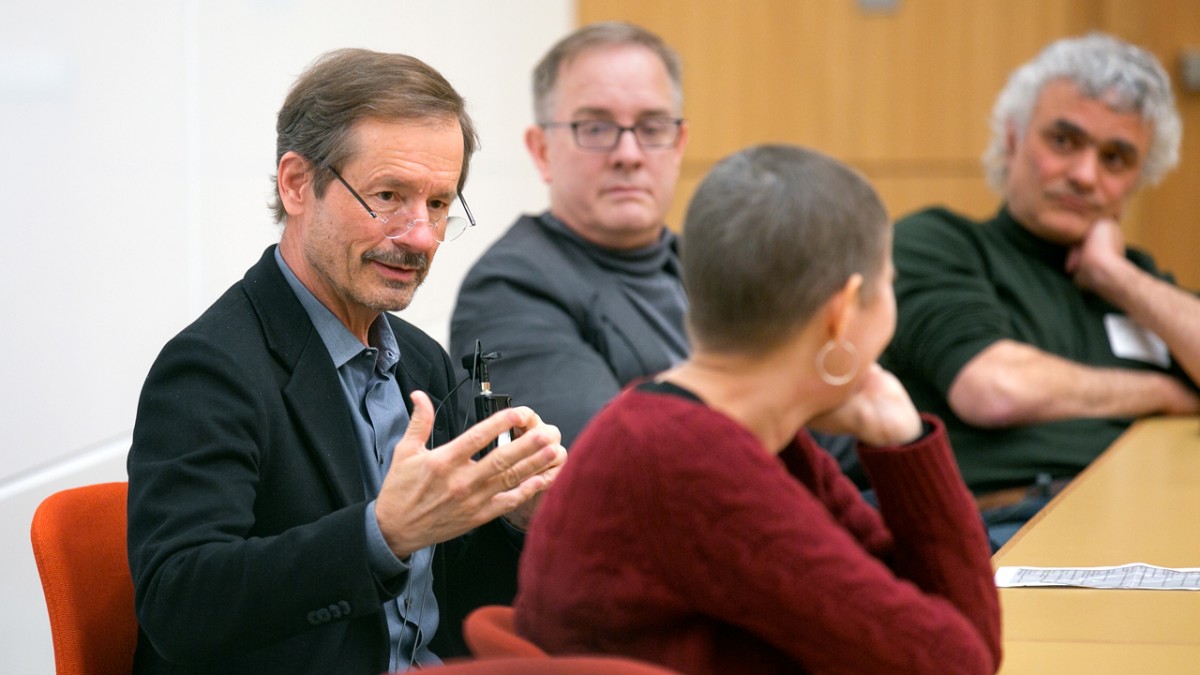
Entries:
{"x":299,"y":497}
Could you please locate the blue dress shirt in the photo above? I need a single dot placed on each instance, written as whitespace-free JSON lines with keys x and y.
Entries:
{"x":377,"y":410}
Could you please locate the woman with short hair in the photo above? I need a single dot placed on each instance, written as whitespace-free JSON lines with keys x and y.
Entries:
{"x":697,"y":525}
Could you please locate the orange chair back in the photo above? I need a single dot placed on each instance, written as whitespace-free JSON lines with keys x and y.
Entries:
{"x":79,"y":545}
{"x":489,"y":632}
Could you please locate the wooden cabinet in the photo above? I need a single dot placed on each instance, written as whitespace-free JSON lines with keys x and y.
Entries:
{"x":1165,"y":219}
{"x":903,"y":95}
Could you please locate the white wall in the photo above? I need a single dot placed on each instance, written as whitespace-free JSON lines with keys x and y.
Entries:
{"x":138,"y":141}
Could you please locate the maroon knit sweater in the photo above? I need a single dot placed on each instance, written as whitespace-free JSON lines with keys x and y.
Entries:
{"x":673,"y":536}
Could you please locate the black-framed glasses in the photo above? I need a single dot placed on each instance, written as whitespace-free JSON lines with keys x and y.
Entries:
{"x":604,"y":135}
{"x":445,"y":228}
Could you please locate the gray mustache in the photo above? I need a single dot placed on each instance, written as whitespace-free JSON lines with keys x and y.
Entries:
{"x":401,"y":258}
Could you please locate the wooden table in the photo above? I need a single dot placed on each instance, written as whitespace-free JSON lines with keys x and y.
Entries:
{"x":1139,"y":502}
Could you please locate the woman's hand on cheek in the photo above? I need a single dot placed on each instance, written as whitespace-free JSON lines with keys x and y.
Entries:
{"x":878,"y":413}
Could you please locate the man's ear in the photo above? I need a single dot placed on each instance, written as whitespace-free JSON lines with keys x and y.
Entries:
{"x":294,"y":179}
{"x":535,"y":143}
{"x":681,"y":145}
{"x":841,"y":307}
{"x":1010,"y":140}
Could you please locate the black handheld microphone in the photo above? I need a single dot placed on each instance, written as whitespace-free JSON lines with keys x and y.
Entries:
{"x":487,"y":401}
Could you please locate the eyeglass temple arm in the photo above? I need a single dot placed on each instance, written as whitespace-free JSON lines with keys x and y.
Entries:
{"x":470,"y":217}
{"x":352,"y":190}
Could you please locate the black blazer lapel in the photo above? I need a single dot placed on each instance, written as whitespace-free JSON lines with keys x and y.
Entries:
{"x":314,"y":394}
{"x":315,"y":399}
{"x":624,"y":320}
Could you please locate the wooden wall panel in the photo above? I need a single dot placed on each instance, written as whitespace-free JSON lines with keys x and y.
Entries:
{"x":904,"y":96}
{"x":902,"y":192}
{"x":1165,"y":219}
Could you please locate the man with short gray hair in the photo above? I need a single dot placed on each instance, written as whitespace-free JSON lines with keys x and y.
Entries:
{"x":586,"y":297}
{"x":1038,"y":336}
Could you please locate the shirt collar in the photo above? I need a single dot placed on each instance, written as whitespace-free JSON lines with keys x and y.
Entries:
{"x":338,"y":339}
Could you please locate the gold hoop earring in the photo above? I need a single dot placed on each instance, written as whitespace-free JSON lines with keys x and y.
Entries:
{"x":828,"y":377}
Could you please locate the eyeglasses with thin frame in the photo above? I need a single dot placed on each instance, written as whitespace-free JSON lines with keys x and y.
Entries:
{"x":446,"y":228}
{"x":605,"y":135}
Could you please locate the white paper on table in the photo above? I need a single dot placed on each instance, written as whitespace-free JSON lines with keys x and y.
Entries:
{"x":1133,"y":575}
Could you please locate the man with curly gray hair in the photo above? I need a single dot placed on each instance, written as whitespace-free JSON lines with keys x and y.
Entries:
{"x":1038,"y":336}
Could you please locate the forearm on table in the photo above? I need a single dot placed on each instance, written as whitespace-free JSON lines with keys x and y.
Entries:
{"x":1010,"y":383}
{"x":1169,"y":311}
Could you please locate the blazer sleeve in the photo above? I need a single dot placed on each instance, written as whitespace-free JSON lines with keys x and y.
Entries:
{"x":236,"y":538}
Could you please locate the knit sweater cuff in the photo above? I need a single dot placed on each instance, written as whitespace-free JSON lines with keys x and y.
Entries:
{"x":919,"y":478}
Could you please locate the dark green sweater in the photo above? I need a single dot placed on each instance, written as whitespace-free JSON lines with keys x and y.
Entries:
{"x":963,"y":285}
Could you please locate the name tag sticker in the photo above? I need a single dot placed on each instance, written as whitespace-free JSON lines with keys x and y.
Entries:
{"x":1131,"y":341}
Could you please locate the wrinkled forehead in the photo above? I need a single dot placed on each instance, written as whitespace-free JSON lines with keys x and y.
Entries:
{"x":615,"y":75}
{"x":1106,"y":116}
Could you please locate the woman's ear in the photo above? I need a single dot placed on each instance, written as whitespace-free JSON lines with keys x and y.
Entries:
{"x":840,"y":308}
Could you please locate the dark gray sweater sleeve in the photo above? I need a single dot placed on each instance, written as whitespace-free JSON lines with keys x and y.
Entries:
{"x":535,"y":313}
